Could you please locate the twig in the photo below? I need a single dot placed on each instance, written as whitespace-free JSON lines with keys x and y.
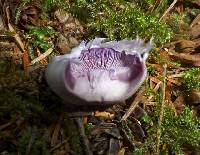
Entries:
{"x":2,"y":127}
{"x":84,"y":137}
{"x":161,"y":110}
{"x":16,"y":36}
{"x":32,"y":140}
{"x":176,"y":75}
{"x":155,"y":89}
{"x":133,"y":105}
{"x":56,"y":130}
{"x":170,"y":7}
{"x":59,"y":145}
{"x":19,"y":42}
{"x":43,"y":61}
{"x":42,"y":56}
{"x":195,"y":21}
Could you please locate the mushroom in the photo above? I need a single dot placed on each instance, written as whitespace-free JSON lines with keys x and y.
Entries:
{"x":99,"y":72}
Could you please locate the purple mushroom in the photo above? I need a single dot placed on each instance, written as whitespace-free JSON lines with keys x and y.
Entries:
{"x":99,"y":72}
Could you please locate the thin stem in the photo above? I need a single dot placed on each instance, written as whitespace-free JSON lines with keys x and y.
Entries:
{"x":170,"y":7}
{"x":161,"y":110}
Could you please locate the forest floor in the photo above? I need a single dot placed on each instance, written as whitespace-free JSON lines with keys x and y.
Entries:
{"x":161,"y":118}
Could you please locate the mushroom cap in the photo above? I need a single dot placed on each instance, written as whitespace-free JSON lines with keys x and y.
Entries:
{"x":99,"y":72}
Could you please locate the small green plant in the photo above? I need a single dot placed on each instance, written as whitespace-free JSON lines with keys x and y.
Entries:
{"x":191,"y":78}
{"x":88,"y":128}
{"x":39,"y":36}
{"x":151,"y":70}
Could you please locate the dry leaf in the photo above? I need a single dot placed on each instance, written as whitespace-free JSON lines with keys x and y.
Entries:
{"x":187,"y":58}
{"x":195,"y":31}
{"x":104,"y":114}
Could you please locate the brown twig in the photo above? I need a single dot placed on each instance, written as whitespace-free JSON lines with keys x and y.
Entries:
{"x":42,"y":56}
{"x":84,"y":137}
{"x":19,"y":42}
{"x":56,"y":130}
{"x":4,"y":126}
{"x":59,"y":145}
{"x":176,"y":75}
{"x":31,"y":141}
{"x":161,"y":110}
{"x":16,"y":36}
{"x":133,"y":105}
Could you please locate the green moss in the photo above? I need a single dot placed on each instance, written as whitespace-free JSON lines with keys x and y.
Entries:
{"x":178,"y":133}
{"x":180,"y":24}
{"x":145,"y":4}
{"x":151,"y":70}
{"x":38,"y":35}
{"x":75,"y":139}
{"x":120,"y":19}
{"x":49,"y":5}
{"x":191,"y":78}
{"x":88,"y":128}
{"x":162,"y":6}
{"x":36,"y":141}
{"x":117,"y":19}
{"x":182,"y":130}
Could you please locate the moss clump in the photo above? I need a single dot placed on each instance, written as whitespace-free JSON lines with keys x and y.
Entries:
{"x":191,"y":78}
{"x":31,"y":142}
{"x":72,"y":132}
{"x":178,"y":133}
{"x":120,"y":19}
{"x":49,"y":5}
{"x":116,"y":19}
{"x":181,"y":131}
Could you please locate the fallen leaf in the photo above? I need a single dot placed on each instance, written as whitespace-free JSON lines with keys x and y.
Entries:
{"x":121,"y":151}
{"x":187,"y":58}
{"x":104,"y":114}
{"x":184,"y":46}
{"x":195,"y":31}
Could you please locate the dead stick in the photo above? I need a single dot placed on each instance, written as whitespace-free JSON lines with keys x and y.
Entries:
{"x":16,"y":36}
{"x":84,"y":137}
{"x":170,"y":7}
{"x":133,"y":105}
{"x":59,"y":145}
{"x":42,"y":56}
